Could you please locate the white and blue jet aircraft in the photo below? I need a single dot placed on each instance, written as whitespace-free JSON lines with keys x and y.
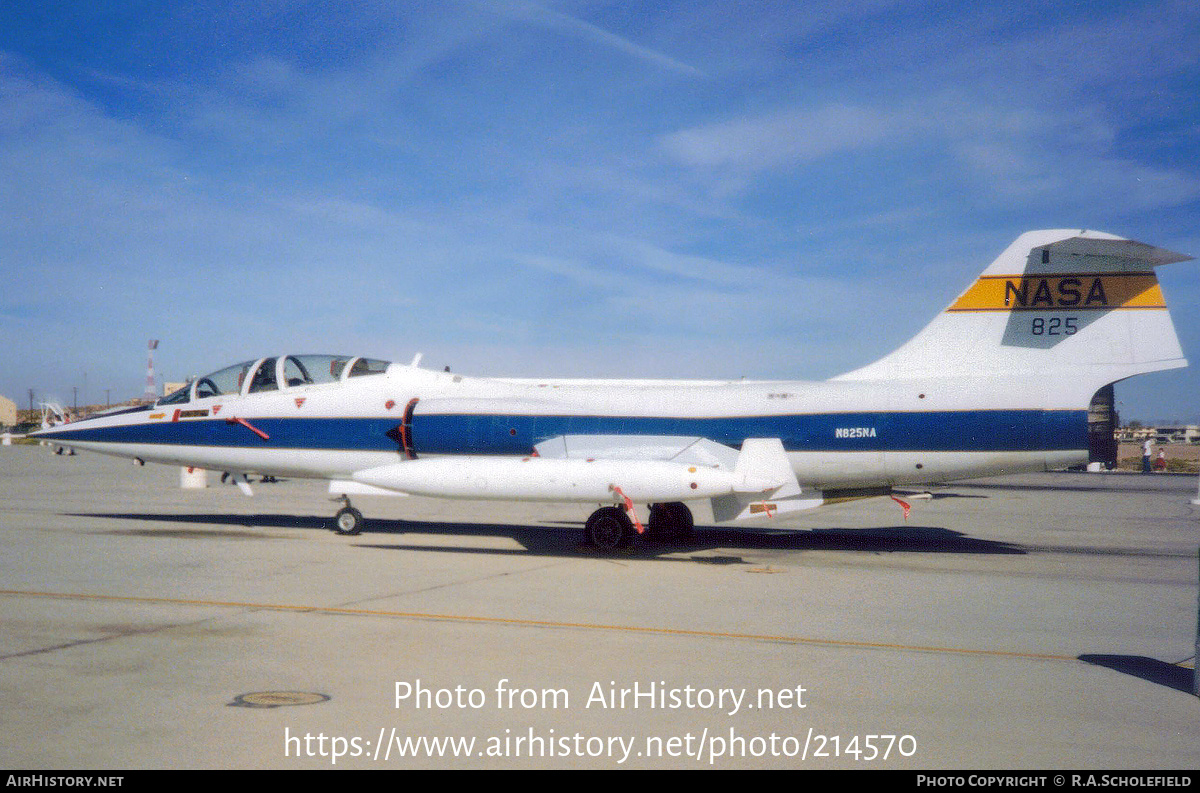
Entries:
{"x":999,"y":382}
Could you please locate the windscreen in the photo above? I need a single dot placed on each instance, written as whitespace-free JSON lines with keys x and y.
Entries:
{"x":175,"y":397}
{"x":364,"y":366}
{"x":314,"y":369}
{"x":227,"y":381}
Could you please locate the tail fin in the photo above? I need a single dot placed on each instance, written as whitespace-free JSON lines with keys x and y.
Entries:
{"x":1082,"y":306}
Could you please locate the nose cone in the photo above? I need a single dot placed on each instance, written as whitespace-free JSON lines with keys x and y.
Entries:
{"x":113,"y":424}
{"x":64,"y":429}
{"x":54,"y":432}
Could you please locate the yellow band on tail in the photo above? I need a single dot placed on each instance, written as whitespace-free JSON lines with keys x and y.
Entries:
{"x":1062,"y":292}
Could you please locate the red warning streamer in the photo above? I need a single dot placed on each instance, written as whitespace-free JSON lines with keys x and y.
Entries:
{"x":249,"y":426}
{"x":629,"y":508}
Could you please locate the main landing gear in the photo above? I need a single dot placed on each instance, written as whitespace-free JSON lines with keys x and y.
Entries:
{"x":348,"y":520}
{"x":671,"y":522}
{"x":610,"y":528}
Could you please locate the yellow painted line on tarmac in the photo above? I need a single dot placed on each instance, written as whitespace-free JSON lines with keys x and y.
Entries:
{"x":466,"y":618}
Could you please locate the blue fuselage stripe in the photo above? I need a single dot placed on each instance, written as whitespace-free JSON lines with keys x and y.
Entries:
{"x":995,"y":430}
{"x":968,"y":431}
{"x":283,"y":433}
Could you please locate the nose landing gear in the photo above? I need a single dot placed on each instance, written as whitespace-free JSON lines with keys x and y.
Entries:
{"x":348,"y":520}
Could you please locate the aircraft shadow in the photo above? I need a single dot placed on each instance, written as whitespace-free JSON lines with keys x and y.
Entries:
{"x":1102,"y":487}
{"x":564,"y":539}
{"x":940,"y":496}
{"x":1151,"y":669}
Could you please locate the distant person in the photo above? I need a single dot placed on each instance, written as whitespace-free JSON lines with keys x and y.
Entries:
{"x":1160,"y":463}
{"x":1147,"y":450}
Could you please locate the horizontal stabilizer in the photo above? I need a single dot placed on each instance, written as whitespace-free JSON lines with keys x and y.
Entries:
{"x":1115,"y":248}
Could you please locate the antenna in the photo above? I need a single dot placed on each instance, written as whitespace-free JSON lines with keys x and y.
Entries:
{"x":151,"y":392}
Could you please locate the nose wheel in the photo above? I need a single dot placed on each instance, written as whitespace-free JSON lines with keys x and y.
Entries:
{"x":348,"y":520}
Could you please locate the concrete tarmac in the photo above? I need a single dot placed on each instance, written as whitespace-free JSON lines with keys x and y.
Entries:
{"x":1035,"y":621}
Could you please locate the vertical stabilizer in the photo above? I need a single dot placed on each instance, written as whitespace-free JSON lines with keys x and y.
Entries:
{"x":1082,"y":307}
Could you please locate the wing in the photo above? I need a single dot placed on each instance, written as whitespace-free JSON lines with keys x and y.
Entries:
{"x":762,"y":480}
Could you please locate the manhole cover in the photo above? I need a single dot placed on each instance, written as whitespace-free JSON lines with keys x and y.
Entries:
{"x":277,"y":699}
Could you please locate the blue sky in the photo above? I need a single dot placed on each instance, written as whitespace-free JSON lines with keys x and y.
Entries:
{"x":693,"y":189}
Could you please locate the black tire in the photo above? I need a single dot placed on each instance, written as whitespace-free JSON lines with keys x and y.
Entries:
{"x":348,"y":521}
{"x":658,"y":528}
{"x":670,"y":522}
{"x":685,"y":525}
{"x":608,"y":529}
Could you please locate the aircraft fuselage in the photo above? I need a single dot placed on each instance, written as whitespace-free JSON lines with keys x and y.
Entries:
{"x":836,"y":434}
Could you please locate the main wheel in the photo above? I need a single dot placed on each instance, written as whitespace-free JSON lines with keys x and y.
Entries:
{"x":608,"y":529}
{"x":657,"y":525}
{"x":685,"y":525}
{"x":348,"y":521}
{"x":670,"y":522}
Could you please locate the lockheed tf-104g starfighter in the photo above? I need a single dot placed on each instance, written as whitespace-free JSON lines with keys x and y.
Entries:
{"x":1001,"y":381}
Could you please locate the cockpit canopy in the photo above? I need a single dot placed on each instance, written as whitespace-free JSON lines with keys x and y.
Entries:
{"x":273,"y":374}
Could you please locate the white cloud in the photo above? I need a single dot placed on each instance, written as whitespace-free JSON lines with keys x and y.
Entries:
{"x":1069,"y":159}
{"x":786,"y":138}
{"x":1036,"y":155}
{"x":565,"y":24}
